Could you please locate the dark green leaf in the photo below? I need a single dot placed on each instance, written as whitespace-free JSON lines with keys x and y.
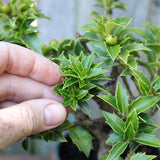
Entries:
{"x":148,"y":139}
{"x":115,"y":122}
{"x":143,"y":103}
{"x":146,"y":118}
{"x":94,"y":72}
{"x":147,"y":128}
{"x":78,"y":48}
{"x":126,"y":72}
{"x":100,"y":49}
{"x":117,"y":150}
{"x":69,"y":82}
{"x":121,"y":99}
{"x":104,"y":158}
{"x":65,"y":125}
{"x":25,"y":144}
{"x":82,"y":139}
{"x":58,"y":137}
{"x":32,"y":41}
{"x":114,"y":138}
{"x":85,"y":108}
{"x":73,"y":104}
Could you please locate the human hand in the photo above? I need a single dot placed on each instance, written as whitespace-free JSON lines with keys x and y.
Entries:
{"x":28,"y":104}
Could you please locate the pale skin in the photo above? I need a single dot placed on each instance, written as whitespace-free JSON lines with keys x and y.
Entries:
{"x":28,"y":104}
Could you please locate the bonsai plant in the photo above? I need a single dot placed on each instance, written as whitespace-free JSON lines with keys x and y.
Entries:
{"x":107,"y":45}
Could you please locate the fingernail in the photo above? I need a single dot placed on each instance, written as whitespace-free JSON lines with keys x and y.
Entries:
{"x":54,"y":114}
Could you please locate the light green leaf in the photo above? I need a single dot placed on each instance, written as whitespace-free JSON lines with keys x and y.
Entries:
{"x":82,"y":139}
{"x":123,"y":21}
{"x":143,"y":103}
{"x":117,"y":150}
{"x":85,"y":108}
{"x":132,"y":117}
{"x":142,"y":156}
{"x":121,"y":99}
{"x":113,"y":51}
{"x":109,"y":26}
{"x":132,"y":62}
{"x":32,"y":41}
{"x":109,"y":99}
{"x":114,"y":138}
{"x":129,"y":133}
{"x":88,"y":60}
{"x":65,"y":125}
{"x":73,"y":104}
{"x":115,"y":122}
{"x":148,"y":139}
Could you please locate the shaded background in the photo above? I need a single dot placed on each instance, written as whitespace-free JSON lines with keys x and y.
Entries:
{"x":67,"y":17}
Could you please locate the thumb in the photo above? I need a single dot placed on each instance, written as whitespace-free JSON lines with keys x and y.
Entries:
{"x":28,"y":118}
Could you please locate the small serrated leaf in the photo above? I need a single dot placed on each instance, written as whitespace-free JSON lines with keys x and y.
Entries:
{"x":114,"y":138}
{"x":85,"y":108}
{"x":142,"y":156}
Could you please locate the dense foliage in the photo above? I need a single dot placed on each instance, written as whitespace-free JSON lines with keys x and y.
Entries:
{"x":107,"y":45}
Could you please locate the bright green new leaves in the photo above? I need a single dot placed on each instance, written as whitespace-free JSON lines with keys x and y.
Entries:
{"x":121,"y":99}
{"x":143,"y":103}
{"x":115,"y":122}
{"x":81,"y":75}
{"x":82,"y":139}
{"x":142,"y":156}
{"x":148,"y":139}
{"x":117,"y":150}
{"x":129,"y":132}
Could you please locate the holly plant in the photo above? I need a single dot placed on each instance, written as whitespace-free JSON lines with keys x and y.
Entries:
{"x":128,"y":95}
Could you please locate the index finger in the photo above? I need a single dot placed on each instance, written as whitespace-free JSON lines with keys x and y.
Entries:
{"x":20,"y":61}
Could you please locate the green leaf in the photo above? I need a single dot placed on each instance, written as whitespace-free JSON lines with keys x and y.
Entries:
{"x":78,"y":48}
{"x":142,"y":156}
{"x":156,"y":85}
{"x":146,"y":118}
{"x":148,"y":139}
{"x":109,"y":99}
{"x":94,"y":72}
{"x":58,"y":136}
{"x":73,"y":104}
{"x":69,"y":82}
{"x":132,"y":117}
{"x":143,"y":103}
{"x":115,"y":122}
{"x":129,"y":133}
{"x":124,"y":56}
{"x":132,"y":62}
{"x":88,"y":60}
{"x":100,"y":49}
{"x":114,"y":138}
{"x":126,"y":72}
{"x":109,"y":26}
{"x":25,"y":144}
{"x":123,"y":21}
{"x":32,"y":41}
{"x":81,"y":94}
{"x":82,"y":139}
{"x":121,"y":99}
{"x":113,"y":51}
{"x":136,"y":47}
{"x":65,"y":125}
{"x":117,"y":150}
{"x":85,"y":108}
{"x":147,"y":128}
{"x":143,"y":81}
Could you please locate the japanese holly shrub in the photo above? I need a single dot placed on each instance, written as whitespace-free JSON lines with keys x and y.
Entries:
{"x":119,"y":51}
